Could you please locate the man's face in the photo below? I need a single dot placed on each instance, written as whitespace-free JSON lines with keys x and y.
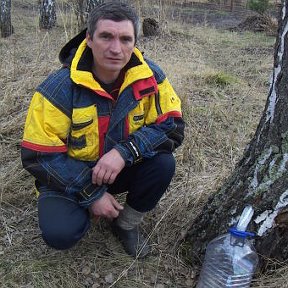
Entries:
{"x":112,"y":46}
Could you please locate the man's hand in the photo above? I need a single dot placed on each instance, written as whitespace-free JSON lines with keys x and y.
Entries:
{"x":107,"y":168}
{"x":107,"y":206}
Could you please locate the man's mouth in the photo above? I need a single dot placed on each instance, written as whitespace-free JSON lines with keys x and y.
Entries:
{"x":114,"y":59}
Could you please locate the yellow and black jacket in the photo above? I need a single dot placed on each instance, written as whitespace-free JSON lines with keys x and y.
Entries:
{"x":72,"y":121}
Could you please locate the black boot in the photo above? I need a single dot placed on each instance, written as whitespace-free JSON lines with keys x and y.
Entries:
{"x":134,"y":243}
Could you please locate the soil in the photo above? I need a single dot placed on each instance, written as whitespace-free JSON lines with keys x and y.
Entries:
{"x":221,"y":17}
{"x":212,"y":15}
{"x":258,"y":23}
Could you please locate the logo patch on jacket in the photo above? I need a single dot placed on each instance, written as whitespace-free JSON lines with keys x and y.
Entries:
{"x":138,"y":117}
{"x":172,"y":99}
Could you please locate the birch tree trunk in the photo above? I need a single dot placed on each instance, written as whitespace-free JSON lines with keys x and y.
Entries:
{"x":47,"y":18}
{"x":260,"y":178}
{"x":5,"y":18}
{"x":83,"y":7}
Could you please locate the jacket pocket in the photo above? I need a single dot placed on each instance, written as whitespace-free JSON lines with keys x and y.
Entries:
{"x":83,"y":139}
{"x":137,"y":116}
{"x":78,"y":126}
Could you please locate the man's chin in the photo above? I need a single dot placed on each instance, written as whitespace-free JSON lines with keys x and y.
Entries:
{"x":114,"y":69}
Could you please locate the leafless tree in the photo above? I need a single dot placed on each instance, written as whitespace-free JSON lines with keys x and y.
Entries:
{"x":47,"y":18}
{"x":5,"y":18}
{"x":82,"y":8}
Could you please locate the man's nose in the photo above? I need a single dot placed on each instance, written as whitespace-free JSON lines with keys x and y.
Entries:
{"x":115,"y":46}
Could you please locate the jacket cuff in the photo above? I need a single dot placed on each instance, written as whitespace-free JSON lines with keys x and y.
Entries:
{"x":129,"y":151}
{"x":90,"y":194}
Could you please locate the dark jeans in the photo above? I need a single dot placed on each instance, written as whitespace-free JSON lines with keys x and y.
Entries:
{"x":63,"y":222}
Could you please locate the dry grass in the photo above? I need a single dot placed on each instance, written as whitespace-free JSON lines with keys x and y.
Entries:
{"x":222,"y":78}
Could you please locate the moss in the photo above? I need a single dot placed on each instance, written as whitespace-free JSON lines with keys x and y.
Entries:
{"x":274,"y":169}
{"x":263,"y":188}
{"x":284,"y":145}
{"x":271,"y":174}
{"x":221,"y":79}
{"x":275,"y":149}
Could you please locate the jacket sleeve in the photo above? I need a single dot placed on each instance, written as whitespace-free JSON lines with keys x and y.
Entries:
{"x":44,"y":152}
{"x":152,"y":139}
{"x":164,"y":127}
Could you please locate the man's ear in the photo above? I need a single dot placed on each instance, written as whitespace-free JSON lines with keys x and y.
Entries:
{"x":88,"y":39}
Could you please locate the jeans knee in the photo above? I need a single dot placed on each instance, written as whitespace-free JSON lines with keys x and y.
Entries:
{"x":151,"y":181}
{"x":61,"y":220}
{"x":165,"y":165}
{"x":62,"y":238}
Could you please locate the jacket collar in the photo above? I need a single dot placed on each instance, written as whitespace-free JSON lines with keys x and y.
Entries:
{"x":80,"y":71}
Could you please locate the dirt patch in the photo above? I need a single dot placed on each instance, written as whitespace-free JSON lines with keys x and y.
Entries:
{"x":258,"y":23}
{"x":218,"y":16}
{"x":210,"y":14}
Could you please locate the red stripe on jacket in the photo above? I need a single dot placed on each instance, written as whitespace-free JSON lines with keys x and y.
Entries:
{"x":164,"y":117}
{"x":144,"y":88}
{"x":103,"y":123}
{"x":43,"y":148}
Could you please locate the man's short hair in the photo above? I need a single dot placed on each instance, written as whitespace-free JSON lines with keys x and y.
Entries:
{"x":116,"y":11}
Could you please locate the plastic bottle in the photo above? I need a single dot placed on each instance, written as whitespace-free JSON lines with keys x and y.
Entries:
{"x":230,"y":259}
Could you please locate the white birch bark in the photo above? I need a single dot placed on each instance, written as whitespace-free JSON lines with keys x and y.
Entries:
{"x":47,"y":18}
{"x":5,"y":18}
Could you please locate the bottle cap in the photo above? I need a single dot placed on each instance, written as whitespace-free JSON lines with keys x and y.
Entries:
{"x":242,"y":234}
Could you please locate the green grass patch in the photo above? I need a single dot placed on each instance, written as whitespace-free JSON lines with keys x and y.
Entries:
{"x":221,"y":79}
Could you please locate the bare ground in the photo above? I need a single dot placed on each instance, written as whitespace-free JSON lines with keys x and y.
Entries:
{"x":221,"y":16}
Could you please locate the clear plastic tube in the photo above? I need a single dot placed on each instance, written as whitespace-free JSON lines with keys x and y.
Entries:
{"x":245,"y":218}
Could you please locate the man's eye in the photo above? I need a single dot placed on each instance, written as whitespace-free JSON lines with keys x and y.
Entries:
{"x":126,"y":40}
{"x":106,"y":36}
